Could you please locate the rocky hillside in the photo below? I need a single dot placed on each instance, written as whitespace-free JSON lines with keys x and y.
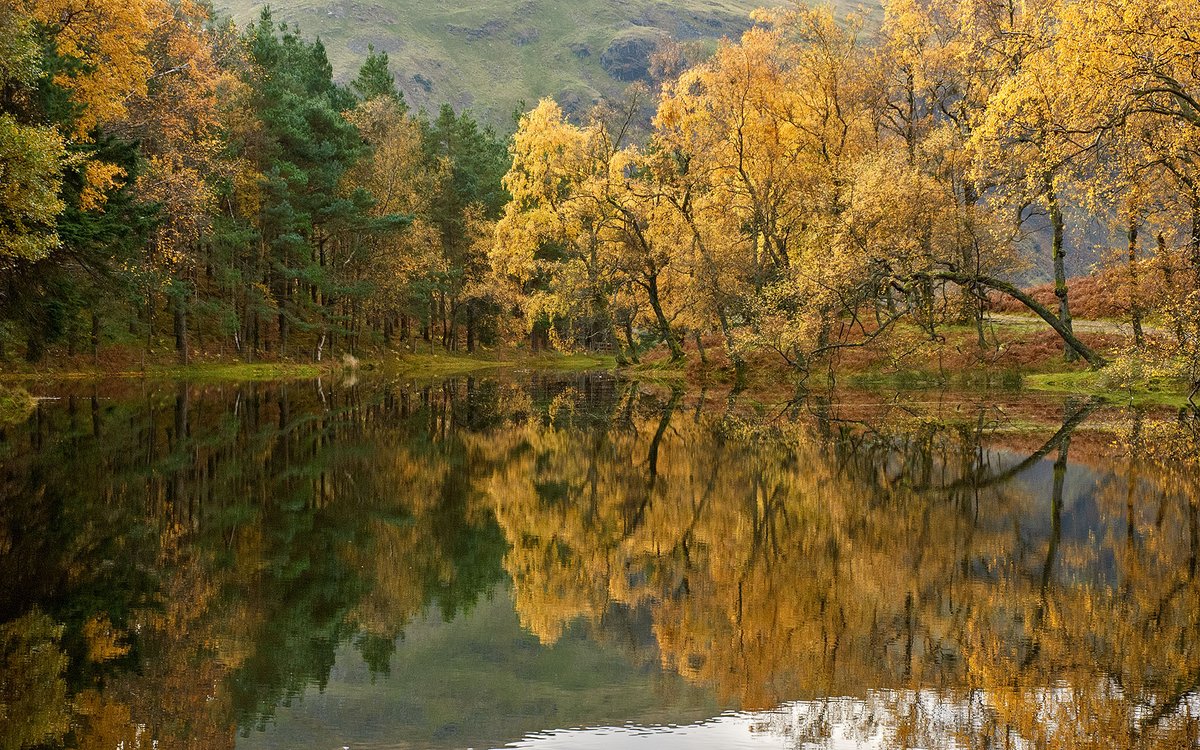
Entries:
{"x":492,"y":56}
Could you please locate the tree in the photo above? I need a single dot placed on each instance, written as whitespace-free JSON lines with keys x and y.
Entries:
{"x":585,"y":214}
{"x":30,"y":183}
{"x":375,"y":79}
{"x":470,"y":161}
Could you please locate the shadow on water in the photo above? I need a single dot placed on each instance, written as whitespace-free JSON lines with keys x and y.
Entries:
{"x":478,"y":561}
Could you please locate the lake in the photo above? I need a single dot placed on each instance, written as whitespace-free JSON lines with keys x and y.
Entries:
{"x":543,"y":560}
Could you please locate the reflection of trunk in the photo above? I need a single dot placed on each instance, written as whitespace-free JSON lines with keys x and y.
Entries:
{"x":1056,"y":503}
{"x":630,"y":399}
{"x":1194,"y":537}
{"x":95,"y":414}
{"x":652,"y":460}
{"x":182,"y":401}
{"x":1058,"y":440}
{"x":663,"y":423}
{"x":909,"y":628}
{"x":1131,"y":482}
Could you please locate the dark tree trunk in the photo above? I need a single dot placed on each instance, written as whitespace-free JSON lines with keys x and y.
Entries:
{"x":664,"y":326}
{"x":95,"y":338}
{"x":1059,"y":257}
{"x":181,"y":338}
{"x":1195,"y":241}
{"x":470,"y":328}
{"x":633,"y":348}
{"x":1135,"y":305}
{"x":988,"y":282}
{"x":35,"y":348}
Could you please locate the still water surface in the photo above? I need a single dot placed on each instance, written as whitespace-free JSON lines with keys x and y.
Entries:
{"x":574,"y":561}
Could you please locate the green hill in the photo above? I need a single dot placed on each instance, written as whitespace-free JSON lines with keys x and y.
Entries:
{"x":491,"y":56}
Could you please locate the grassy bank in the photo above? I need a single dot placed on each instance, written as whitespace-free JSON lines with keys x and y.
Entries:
{"x":207,"y":371}
{"x":419,"y":365}
{"x":1022,"y":357}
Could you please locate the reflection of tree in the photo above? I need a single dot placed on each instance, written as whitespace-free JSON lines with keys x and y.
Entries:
{"x":33,"y":693}
{"x":829,"y":558}
{"x":216,"y":544}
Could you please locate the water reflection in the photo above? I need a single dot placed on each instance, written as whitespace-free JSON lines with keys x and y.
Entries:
{"x":481,"y":562}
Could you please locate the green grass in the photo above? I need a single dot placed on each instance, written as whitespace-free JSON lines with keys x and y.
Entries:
{"x":493,"y":56}
{"x":570,"y":362}
{"x":434,"y":365}
{"x":1154,"y":391}
{"x":660,"y":370}
{"x":442,"y":364}
{"x":236,"y":371}
{"x":917,"y":379}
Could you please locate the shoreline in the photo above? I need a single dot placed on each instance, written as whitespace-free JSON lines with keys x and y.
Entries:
{"x":1066,"y":381}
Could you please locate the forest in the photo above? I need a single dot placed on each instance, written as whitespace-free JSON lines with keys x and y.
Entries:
{"x":826,"y":183}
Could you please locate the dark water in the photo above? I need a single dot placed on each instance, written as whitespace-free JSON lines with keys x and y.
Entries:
{"x":580,"y":562}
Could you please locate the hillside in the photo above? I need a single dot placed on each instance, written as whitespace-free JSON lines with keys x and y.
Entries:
{"x":491,"y":56}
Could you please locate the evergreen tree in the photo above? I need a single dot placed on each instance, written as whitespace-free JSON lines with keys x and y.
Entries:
{"x":375,"y":79}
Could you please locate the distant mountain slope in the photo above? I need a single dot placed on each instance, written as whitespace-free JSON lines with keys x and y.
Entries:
{"x":492,"y":55}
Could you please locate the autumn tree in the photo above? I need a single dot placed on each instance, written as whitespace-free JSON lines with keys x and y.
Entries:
{"x":580,"y":222}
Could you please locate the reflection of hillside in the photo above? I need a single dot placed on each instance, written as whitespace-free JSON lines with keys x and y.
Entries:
{"x":480,"y":681}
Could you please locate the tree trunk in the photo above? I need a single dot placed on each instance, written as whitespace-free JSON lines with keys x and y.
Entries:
{"x":470,"y":328}
{"x":1195,"y":242}
{"x":664,"y":325}
{"x":95,"y":337}
{"x":1059,"y":256}
{"x":739,"y":364}
{"x":1135,"y":305}
{"x":181,"y":340}
{"x":988,"y":282}
{"x":34,"y":347}
{"x":633,"y":349}
{"x":441,"y":309}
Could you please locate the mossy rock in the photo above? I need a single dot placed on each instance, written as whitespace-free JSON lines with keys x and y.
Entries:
{"x":628,"y":55}
{"x":15,"y":405}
